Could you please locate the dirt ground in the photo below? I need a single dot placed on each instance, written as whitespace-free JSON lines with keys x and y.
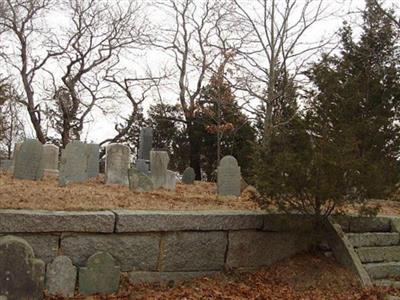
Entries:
{"x":95,"y":195}
{"x":305,"y":276}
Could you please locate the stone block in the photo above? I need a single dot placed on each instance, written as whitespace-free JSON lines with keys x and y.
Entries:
{"x":22,"y":275}
{"x":370,"y":224}
{"x":288,"y":223}
{"x":193,"y":251}
{"x":253,"y":249}
{"x":369,"y":239}
{"x":20,"y":221}
{"x":383,"y":270}
{"x":136,"y":277}
{"x":143,"y":221}
{"x":100,"y":276}
{"x":379,"y":254}
{"x":61,"y":277}
{"x":132,"y":252}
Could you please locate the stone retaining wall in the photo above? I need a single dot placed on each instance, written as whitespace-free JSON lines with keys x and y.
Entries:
{"x":160,"y":245}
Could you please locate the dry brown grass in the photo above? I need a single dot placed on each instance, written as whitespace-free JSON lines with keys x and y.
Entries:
{"x":95,"y":195}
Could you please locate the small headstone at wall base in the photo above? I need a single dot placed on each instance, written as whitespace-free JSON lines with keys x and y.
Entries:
{"x":143,"y":166}
{"x":93,"y":153}
{"x":159,"y":164}
{"x":139,"y":182}
{"x":73,"y":164}
{"x":101,"y":275}
{"x":145,"y":143}
{"x":170,"y":182}
{"x":61,"y":277}
{"x":228,"y":177}
{"x":188,"y":176}
{"x":28,"y":161}
{"x":6,"y":165}
{"x":50,"y":157}
{"x":22,"y":275}
{"x":117,"y":164}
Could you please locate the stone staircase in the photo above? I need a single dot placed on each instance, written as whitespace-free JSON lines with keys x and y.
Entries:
{"x":379,"y":253}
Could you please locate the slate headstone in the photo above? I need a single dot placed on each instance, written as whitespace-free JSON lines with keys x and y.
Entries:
{"x":117,"y":164}
{"x":145,"y":143}
{"x":139,"y":181}
{"x":93,"y":153}
{"x":101,"y":275}
{"x":170,"y":182}
{"x":61,"y":277}
{"x":188,"y":176}
{"x":159,"y":164}
{"x":73,"y":164}
{"x":50,"y":157}
{"x":21,"y":274}
{"x":143,"y":166}
{"x":228,"y":177}
{"x":28,"y":161}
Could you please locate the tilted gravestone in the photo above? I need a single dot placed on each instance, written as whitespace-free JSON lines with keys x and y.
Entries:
{"x":101,"y":275}
{"x":21,"y":274}
{"x":61,"y":277}
{"x":170,"y":182}
{"x":28,"y":161}
{"x":145,"y":143}
{"x":139,"y":181}
{"x":117,"y":164}
{"x":188,"y":176}
{"x":159,"y":163}
{"x":93,"y":153}
{"x":50,"y":157}
{"x":228,"y":177}
{"x":73,"y":164}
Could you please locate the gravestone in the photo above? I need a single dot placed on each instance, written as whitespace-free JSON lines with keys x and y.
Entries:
{"x":73,"y":164}
{"x":28,"y":161}
{"x":117,"y":164}
{"x":145,"y":143}
{"x":93,"y":153}
{"x":159,"y":163}
{"x":170,"y":182}
{"x":228,"y":177}
{"x":143,"y":166}
{"x":188,"y":176}
{"x":21,"y":274}
{"x":101,"y":275}
{"x":139,"y":181}
{"x":61,"y":277}
{"x":50,"y":157}
{"x":6,"y":165}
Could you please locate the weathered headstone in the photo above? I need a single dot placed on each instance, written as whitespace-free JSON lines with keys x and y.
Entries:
{"x":159,"y":163}
{"x":61,"y":277}
{"x":117,"y":164}
{"x":145,"y":143}
{"x":73,"y":164}
{"x":170,"y":182}
{"x":93,"y":153}
{"x":188,"y":176}
{"x":143,"y":166}
{"x":21,"y":274}
{"x":101,"y":275}
{"x":28,"y":161}
{"x":228,"y":177}
{"x":139,"y":181}
{"x":50,"y":157}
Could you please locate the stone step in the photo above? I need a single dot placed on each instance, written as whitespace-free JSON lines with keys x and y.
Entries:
{"x":383,"y":270}
{"x":370,"y":239}
{"x":379,"y":254}
{"x":387,"y":283}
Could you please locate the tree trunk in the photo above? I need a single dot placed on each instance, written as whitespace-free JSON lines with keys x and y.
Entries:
{"x":195,"y":149}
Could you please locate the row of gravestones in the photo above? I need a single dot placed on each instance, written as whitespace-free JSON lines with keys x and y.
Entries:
{"x":24,"y":277}
{"x":80,"y":161}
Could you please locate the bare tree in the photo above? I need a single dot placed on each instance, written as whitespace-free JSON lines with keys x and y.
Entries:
{"x":390,"y":12}
{"x":20,"y":20}
{"x":100,"y":32}
{"x":190,"y":43}
{"x":273,"y":35}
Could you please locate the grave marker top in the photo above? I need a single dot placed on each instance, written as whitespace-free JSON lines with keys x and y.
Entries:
{"x":228,"y":177}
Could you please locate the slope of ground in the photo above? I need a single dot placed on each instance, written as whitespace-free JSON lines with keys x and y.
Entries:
{"x":95,"y":195}
{"x":302,"y":277}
